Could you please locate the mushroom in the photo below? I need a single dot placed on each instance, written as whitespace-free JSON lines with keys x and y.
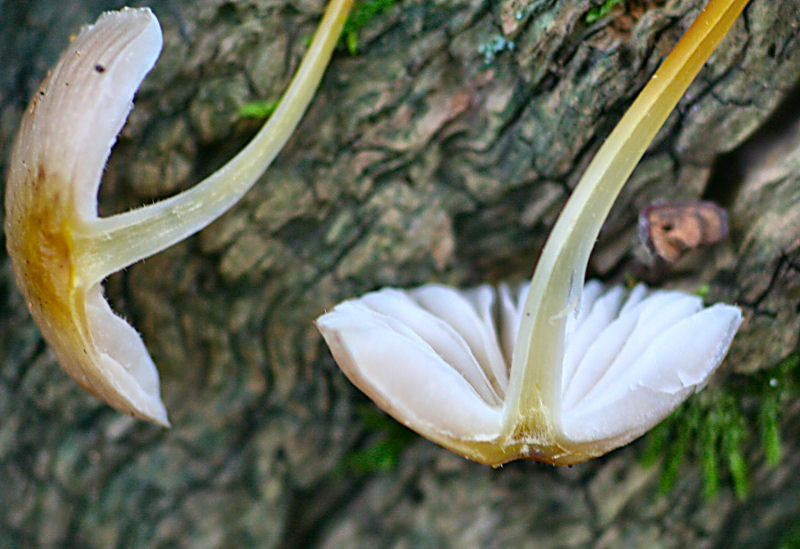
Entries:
{"x":553,"y":371}
{"x":61,"y":250}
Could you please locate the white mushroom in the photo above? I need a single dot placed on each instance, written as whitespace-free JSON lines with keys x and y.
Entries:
{"x":436,"y":359}
{"x":61,"y":250}
{"x":556,"y":372}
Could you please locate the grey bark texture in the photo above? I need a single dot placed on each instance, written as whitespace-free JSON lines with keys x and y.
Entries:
{"x":442,"y":151}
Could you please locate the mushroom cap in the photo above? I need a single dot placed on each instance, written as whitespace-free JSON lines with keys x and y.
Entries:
{"x":438,"y":360}
{"x":57,"y":161}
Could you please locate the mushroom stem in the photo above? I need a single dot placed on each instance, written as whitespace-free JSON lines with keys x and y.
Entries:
{"x":535,"y":377}
{"x":109,"y":244}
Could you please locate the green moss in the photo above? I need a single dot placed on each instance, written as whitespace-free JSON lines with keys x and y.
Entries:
{"x":709,"y":442}
{"x":386,"y":439}
{"x":363,"y":12}
{"x":792,"y":539}
{"x":770,"y":431}
{"x":677,"y":450}
{"x":711,"y":429}
{"x":258,"y":109}
{"x":733,"y":430}
{"x":598,"y":12}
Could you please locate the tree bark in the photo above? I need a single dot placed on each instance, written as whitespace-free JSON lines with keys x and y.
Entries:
{"x":441,"y":151}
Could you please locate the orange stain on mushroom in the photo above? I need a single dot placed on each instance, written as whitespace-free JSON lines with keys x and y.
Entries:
{"x":40,"y":246}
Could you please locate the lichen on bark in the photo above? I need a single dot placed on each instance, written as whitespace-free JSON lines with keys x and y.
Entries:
{"x":422,"y":159}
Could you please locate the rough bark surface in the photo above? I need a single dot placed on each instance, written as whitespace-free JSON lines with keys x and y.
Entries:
{"x":442,"y":151}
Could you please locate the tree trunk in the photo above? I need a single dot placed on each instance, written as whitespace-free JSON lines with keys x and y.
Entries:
{"x":442,"y":150}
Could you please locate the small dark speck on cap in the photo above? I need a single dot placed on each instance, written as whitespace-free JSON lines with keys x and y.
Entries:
{"x":99,"y":68}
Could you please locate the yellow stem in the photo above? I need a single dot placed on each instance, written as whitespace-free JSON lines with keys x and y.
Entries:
{"x":535,"y":384}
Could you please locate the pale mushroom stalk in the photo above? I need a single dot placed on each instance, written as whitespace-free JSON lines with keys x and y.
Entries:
{"x":61,"y":250}
{"x":555,"y":371}
{"x":559,"y":276}
{"x":112,"y":243}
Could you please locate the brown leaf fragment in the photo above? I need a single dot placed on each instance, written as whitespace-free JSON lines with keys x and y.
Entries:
{"x":669,"y":229}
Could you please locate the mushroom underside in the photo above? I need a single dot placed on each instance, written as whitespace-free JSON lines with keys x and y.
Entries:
{"x":435,"y":357}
